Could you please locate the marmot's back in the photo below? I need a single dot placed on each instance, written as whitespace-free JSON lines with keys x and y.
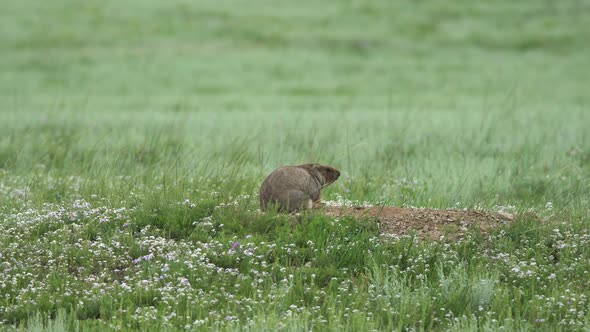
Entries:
{"x":295,"y":187}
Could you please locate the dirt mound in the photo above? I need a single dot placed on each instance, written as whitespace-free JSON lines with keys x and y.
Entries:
{"x":425,"y":223}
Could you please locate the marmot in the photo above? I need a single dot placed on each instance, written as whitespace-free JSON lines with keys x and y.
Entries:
{"x":296,"y":187}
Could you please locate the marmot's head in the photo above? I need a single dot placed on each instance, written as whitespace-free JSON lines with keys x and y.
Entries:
{"x":329,"y":173}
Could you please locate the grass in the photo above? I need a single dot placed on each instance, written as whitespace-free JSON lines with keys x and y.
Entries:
{"x":133,"y":139}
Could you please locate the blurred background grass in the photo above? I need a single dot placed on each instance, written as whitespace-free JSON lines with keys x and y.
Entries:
{"x":368,"y":54}
{"x":419,"y":103}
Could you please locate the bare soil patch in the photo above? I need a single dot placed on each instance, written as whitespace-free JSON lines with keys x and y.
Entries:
{"x":425,"y":223}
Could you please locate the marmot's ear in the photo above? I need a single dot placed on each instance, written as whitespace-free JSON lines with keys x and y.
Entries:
{"x":315,"y":165}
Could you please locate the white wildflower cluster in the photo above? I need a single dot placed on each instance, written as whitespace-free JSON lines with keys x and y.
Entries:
{"x":233,"y":203}
{"x":13,"y":192}
{"x":93,"y":255}
{"x":342,"y":202}
{"x":505,"y":208}
{"x":562,"y":265}
{"x":407,"y":188}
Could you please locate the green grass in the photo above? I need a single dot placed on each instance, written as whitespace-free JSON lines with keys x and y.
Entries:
{"x":134,"y":136}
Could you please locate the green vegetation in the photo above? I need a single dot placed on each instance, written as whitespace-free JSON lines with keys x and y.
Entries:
{"x":134,"y":136}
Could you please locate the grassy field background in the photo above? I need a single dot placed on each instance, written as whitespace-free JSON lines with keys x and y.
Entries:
{"x":134,"y":136}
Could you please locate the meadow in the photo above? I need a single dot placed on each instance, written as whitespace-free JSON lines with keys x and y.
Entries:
{"x":134,"y":137}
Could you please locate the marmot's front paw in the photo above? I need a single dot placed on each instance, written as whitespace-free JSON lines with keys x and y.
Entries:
{"x":318,"y":205}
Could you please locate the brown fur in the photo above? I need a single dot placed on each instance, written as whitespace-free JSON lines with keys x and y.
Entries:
{"x":296,"y":187}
